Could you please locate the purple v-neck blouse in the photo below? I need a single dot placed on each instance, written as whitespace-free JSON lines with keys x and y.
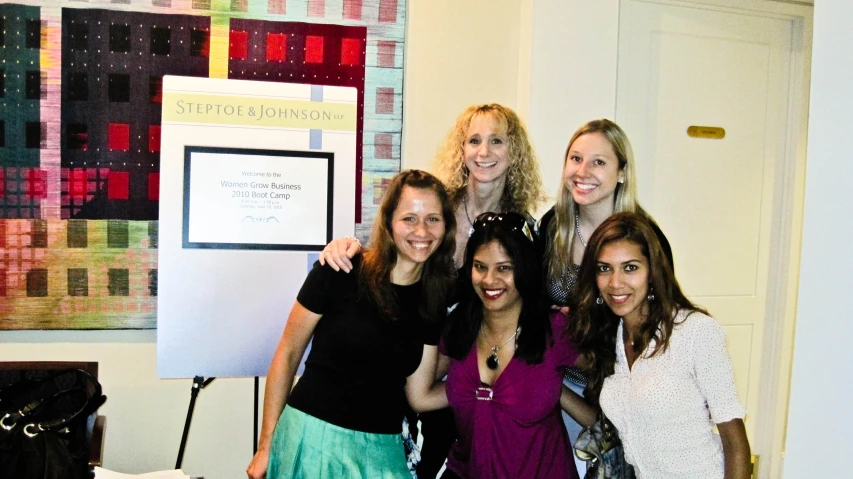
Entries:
{"x":513,"y":428}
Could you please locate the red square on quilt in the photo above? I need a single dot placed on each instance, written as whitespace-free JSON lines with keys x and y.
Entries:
{"x":77,"y":184}
{"x":118,"y":137}
{"x":352,"y":9}
{"x":238,"y":45}
{"x":153,"y":138}
{"x":118,"y":185}
{"x":351,"y":51}
{"x":276,"y":47}
{"x":37,"y":183}
{"x":382,"y":146}
{"x":385,"y":101}
{"x":388,"y":11}
{"x":386,"y":53}
{"x":154,"y":186}
{"x":313,"y":49}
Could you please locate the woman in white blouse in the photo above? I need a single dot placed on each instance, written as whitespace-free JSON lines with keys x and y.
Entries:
{"x":658,"y":364}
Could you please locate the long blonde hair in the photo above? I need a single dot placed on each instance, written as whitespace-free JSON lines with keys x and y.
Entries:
{"x":524,"y":190}
{"x":562,"y":227}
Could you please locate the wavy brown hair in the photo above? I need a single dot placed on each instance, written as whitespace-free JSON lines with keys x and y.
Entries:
{"x":562,"y":228}
{"x":524,"y":190}
{"x":593,"y":326}
{"x":438,"y":275}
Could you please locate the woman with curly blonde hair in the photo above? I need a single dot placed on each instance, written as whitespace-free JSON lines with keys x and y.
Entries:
{"x":487,"y":164}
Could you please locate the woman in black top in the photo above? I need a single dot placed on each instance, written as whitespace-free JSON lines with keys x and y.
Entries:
{"x":374,"y":345}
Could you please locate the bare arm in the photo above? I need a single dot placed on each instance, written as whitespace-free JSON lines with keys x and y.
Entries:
{"x":339,"y":252}
{"x":736,"y":451}
{"x":294,"y":340}
{"x":442,"y":368}
{"x":577,"y":408}
{"x":423,"y":390}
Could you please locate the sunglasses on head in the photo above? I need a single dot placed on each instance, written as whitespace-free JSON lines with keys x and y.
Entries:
{"x":513,"y":221}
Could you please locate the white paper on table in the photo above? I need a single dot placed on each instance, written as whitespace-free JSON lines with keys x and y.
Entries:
{"x":101,"y":473}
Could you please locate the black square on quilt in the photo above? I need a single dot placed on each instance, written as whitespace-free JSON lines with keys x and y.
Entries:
{"x":119,"y":38}
{"x":33,"y":34}
{"x":33,"y":134}
{"x":78,"y":36}
{"x":119,"y":87}
{"x":78,"y":87}
{"x":160,"y":37}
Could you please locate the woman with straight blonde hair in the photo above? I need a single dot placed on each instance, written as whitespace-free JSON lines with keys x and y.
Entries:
{"x":599,"y":179}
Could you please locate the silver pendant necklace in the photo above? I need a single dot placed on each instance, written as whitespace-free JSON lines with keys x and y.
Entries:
{"x":492,"y":362}
{"x":467,"y":216}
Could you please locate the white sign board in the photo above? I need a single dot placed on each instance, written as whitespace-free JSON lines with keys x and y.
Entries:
{"x":255,"y":178}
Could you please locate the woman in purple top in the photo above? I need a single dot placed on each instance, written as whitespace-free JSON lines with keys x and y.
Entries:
{"x":507,"y":359}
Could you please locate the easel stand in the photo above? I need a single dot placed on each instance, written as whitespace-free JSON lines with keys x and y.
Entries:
{"x":199,"y":383}
{"x":257,"y":398}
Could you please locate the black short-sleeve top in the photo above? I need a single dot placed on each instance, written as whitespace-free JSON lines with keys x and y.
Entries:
{"x":358,"y":364}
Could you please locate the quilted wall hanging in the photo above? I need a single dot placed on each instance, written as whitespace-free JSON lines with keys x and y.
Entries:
{"x":80,"y":105}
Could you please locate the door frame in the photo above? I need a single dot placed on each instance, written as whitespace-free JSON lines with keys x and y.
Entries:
{"x":786,"y":228}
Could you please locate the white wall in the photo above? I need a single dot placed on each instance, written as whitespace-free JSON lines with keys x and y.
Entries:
{"x":458,"y":53}
{"x":553,"y":61}
{"x":573,"y":74}
{"x":819,"y":416}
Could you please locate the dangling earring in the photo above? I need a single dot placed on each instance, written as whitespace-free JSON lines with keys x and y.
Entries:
{"x":599,"y":300}
{"x":651,"y":295}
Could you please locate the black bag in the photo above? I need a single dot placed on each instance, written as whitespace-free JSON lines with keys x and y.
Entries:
{"x":599,"y":445}
{"x":44,"y":425}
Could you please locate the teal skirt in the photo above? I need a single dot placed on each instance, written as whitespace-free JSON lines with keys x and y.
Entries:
{"x":306,"y":447}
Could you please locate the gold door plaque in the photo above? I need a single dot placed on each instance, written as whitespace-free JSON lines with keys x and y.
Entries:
{"x":711,"y":132}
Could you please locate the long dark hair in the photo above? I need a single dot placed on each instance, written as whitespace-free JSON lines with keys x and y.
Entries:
{"x":513,"y":233}
{"x":593,"y":326}
{"x":438,"y":273}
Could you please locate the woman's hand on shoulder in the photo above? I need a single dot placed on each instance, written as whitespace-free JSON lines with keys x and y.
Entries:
{"x":562,"y":309}
{"x":258,"y":467}
{"x":339,"y":252}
